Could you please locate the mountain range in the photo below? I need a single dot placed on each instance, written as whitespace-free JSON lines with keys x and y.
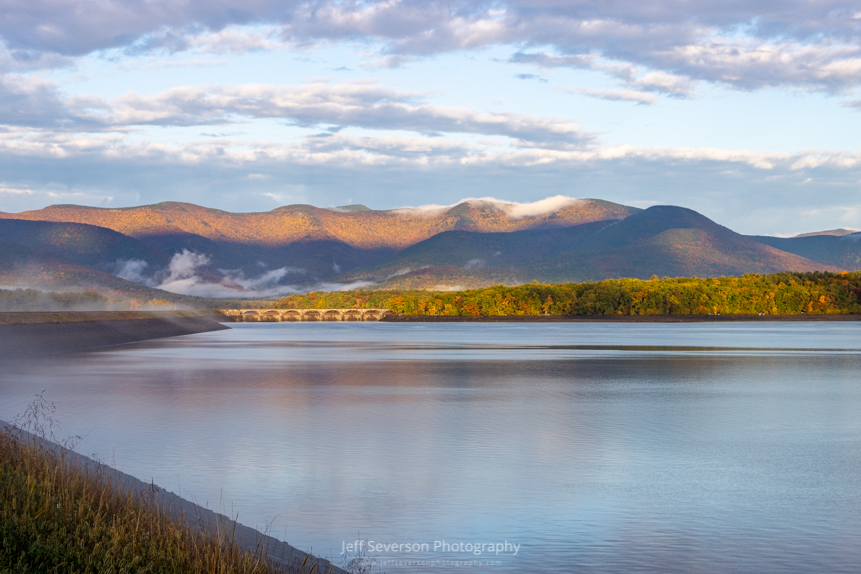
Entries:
{"x":186,"y":249}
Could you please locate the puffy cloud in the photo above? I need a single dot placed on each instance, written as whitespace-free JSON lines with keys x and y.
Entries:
{"x":632,"y":76}
{"x":30,"y":101}
{"x":663,"y":82}
{"x":134,"y":270}
{"x":367,"y":105}
{"x":182,"y":277}
{"x":359,"y":104}
{"x":387,"y":149}
{"x":744,"y":44}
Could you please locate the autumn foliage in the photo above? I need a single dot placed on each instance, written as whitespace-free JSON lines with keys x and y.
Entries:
{"x":398,"y":228}
{"x":776,"y":294}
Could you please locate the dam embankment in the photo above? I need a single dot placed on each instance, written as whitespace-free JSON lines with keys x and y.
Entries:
{"x":25,"y":335}
{"x":282,"y":556}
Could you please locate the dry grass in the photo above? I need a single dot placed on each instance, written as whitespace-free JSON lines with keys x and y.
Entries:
{"x":56,"y":516}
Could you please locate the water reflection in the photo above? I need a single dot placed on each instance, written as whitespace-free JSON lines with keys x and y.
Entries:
{"x":596,"y":447}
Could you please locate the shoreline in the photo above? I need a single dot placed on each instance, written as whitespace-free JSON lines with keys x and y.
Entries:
{"x":190,"y":514}
{"x":57,"y":317}
{"x":616,"y":318}
{"x":24,"y":336}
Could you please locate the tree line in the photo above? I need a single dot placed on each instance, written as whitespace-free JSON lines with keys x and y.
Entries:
{"x":786,"y":293}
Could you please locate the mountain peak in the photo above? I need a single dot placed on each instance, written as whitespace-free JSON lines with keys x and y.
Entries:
{"x":833,"y":232}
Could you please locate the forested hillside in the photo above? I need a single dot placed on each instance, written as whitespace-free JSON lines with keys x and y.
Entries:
{"x":776,"y":294}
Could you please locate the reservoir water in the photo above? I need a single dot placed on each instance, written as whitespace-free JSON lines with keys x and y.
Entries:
{"x":588,"y":447}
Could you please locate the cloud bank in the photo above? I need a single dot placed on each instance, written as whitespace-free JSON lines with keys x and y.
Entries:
{"x":745,"y":45}
{"x":37,"y":104}
{"x":182,"y":277}
{"x":513,"y":209}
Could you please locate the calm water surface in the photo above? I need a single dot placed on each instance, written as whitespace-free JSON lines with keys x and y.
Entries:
{"x":594,"y":447}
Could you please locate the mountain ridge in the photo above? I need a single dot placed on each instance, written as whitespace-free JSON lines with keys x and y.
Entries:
{"x":197,"y":250}
{"x":394,"y":229}
{"x":661,"y":240}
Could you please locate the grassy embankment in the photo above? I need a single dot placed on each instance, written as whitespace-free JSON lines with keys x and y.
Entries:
{"x":57,"y":517}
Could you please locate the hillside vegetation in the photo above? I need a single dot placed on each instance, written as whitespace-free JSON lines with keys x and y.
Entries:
{"x":57,"y":517}
{"x":776,"y":294}
{"x":367,"y":229}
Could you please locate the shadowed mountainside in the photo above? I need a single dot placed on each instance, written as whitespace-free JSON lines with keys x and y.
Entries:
{"x":308,"y":260}
{"x":839,"y":250}
{"x":23,"y":267}
{"x":480,"y":250}
{"x":80,"y":243}
{"x":662,"y":240}
{"x":672,"y":241}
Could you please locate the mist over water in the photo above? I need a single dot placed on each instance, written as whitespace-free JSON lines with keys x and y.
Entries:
{"x":594,"y":447}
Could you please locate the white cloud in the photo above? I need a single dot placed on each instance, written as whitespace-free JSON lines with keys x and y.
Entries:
{"x":360,"y":104}
{"x":363,"y":104}
{"x":134,"y":270}
{"x":632,"y":76}
{"x":181,"y":271}
{"x":238,"y":40}
{"x":25,"y":195}
{"x":663,"y":82}
{"x":618,"y":95}
{"x":344,"y":150}
{"x":182,"y":277}
{"x":747,"y":45}
{"x":513,"y":209}
{"x":544,"y":206}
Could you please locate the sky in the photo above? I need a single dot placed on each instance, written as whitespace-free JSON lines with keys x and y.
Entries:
{"x":748,"y":112}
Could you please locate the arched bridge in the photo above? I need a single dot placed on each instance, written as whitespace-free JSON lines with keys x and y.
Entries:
{"x":305,"y":314}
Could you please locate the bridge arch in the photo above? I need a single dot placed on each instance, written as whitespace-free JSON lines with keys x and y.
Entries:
{"x":305,"y":314}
